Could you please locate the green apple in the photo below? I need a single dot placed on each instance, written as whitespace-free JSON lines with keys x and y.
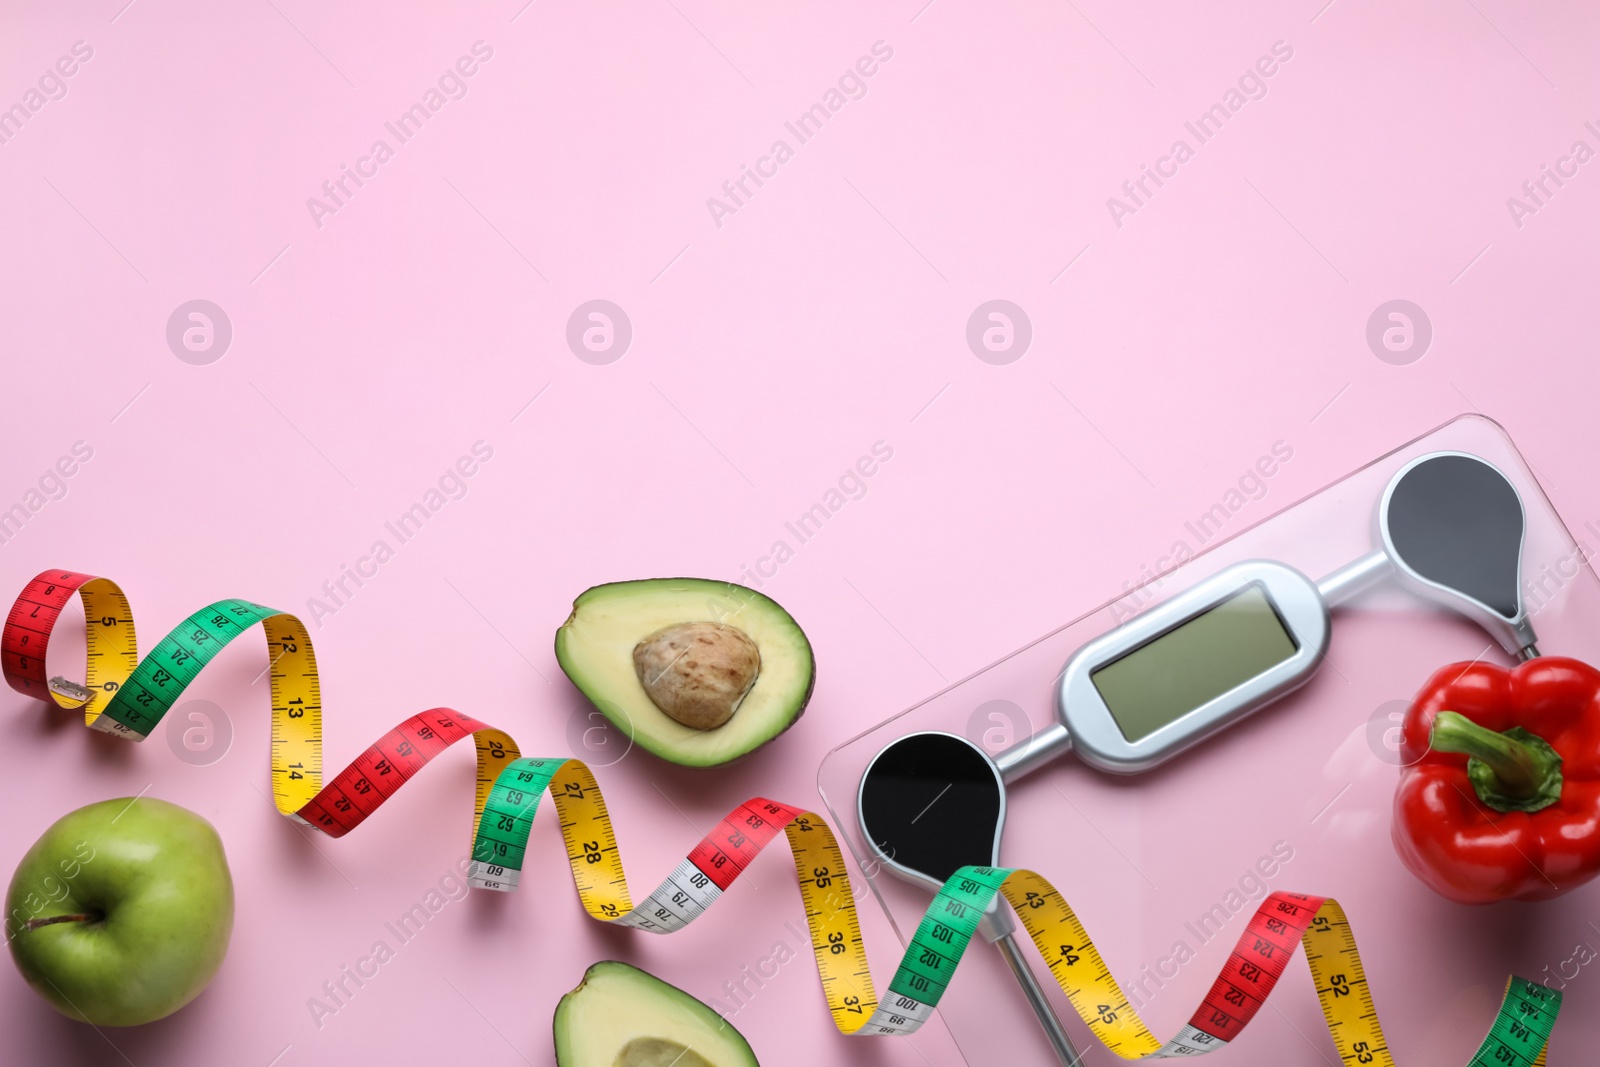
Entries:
{"x":120,"y":913}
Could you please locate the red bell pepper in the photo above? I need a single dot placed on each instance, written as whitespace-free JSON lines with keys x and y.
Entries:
{"x":1500,"y":789}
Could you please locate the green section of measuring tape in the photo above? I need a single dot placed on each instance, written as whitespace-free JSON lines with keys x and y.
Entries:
{"x":502,"y":837}
{"x":1525,"y":1021}
{"x":148,"y":694}
{"x":945,"y":931}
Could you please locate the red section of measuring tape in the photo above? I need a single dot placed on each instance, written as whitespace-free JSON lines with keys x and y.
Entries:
{"x":361,"y":788}
{"x":27,"y":630}
{"x":725,"y":852}
{"x":1257,"y":962}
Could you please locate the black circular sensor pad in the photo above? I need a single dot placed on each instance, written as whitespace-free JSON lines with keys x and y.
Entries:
{"x":1458,"y":522}
{"x":933,"y":803}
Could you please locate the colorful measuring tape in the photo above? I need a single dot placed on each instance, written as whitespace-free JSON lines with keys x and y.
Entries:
{"x":126,"y":696}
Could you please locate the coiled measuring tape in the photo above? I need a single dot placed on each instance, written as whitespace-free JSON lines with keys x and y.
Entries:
{"x":128,"y":696}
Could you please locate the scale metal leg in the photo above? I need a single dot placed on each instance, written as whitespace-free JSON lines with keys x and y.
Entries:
{"x":998,"y":928}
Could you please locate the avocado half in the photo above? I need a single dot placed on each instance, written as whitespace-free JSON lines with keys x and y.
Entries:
{"x":616,"y":629}
{"x":620,"y":1016}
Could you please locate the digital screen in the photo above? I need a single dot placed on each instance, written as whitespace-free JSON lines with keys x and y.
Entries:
{"x":1194,"y":662}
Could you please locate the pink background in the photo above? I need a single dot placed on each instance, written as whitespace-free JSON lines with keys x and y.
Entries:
{"x":828,"y":313}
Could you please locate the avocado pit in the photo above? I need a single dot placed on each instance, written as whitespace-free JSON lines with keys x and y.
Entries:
{"x":697,"y":673}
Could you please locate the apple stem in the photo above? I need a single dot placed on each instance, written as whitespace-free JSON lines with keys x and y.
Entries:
{"x":76,"y":917}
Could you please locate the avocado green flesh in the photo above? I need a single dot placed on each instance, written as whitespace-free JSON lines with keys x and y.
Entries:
{"x":595,"y":649}
{"x":620,"y":1016}
{"x":654,"y":1052}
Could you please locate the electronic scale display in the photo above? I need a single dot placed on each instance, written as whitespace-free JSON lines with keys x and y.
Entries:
{"x":1193,"y":663}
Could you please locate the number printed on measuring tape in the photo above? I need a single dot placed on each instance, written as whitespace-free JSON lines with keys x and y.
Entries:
{"x":127,"y":696}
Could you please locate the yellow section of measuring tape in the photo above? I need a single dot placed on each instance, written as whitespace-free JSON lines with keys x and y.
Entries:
{"x":586,"y":827}
{"x":1094,"y":993}
{"x":1351,"y":1016}
{"x":112,"y":644}
{"x":836,"y":941}
{"x":296,"y":713}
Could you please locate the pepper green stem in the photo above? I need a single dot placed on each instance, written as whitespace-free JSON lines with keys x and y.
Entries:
{"x":1511,"y":771}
